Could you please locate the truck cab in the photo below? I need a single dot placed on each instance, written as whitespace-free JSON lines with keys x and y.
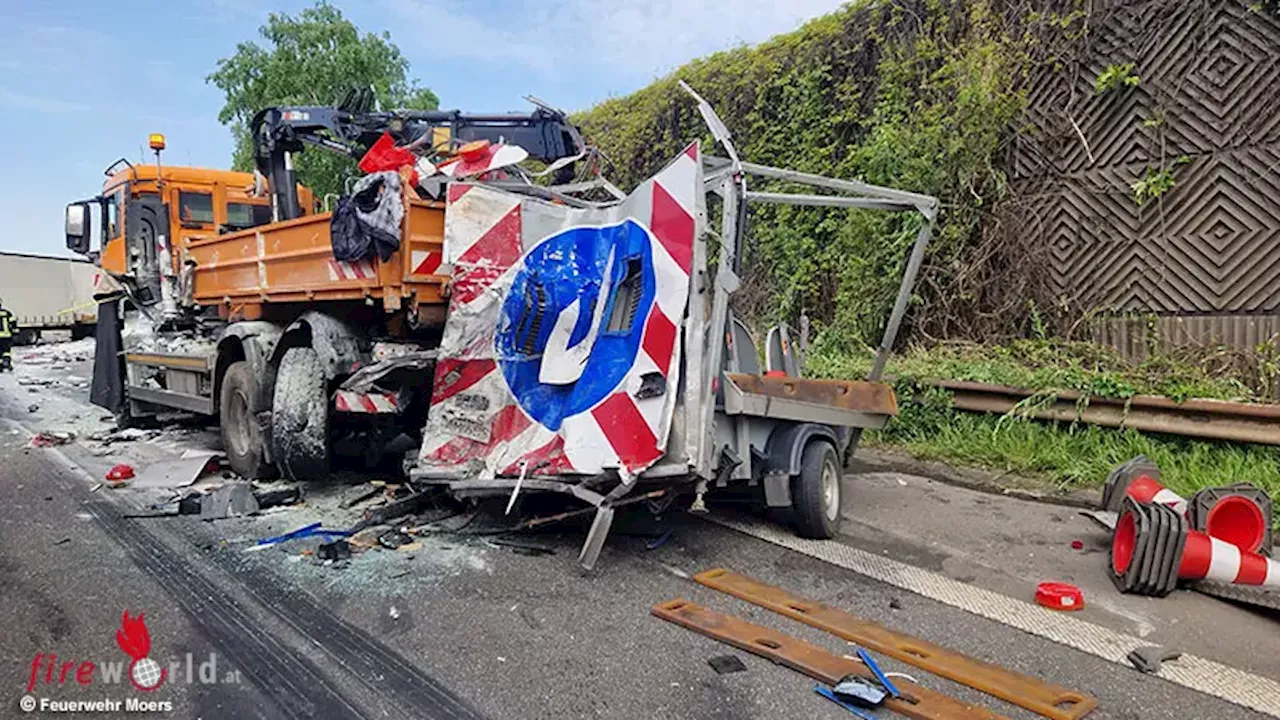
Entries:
{"x":142,"y":206}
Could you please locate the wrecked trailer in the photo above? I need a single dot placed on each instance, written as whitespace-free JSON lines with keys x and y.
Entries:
{"x":589,"y":349}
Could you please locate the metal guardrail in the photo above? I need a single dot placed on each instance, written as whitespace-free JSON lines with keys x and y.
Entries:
{"x":1205,"y":419}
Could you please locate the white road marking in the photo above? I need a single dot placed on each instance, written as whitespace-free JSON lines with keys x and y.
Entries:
{"x":1196,"y":673}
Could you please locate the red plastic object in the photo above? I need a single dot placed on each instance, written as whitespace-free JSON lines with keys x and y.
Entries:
{"x":1123,"y":542}
{"x":775,"y":373}
{"x":1077,"y":544}
{"x":120,"y":473}
{"x":1239,"y":521}
{"x":384,"y":155}
{"x":1059,"y":596}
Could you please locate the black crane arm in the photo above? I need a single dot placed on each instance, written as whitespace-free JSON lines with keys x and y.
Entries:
{"x":278,"y":132}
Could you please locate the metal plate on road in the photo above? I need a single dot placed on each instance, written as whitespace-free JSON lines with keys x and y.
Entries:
{"x":1047,"y":699}
{"x":916,"y":702}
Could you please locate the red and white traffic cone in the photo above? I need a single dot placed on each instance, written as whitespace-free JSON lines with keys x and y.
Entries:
{"x":1139,"y":478}
{"x":1208,"y":558}
{"x":1146,"y":489}
{"x":1239,"y":514}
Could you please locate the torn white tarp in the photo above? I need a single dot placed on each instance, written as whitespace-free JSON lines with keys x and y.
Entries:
{"x":561,"y":352}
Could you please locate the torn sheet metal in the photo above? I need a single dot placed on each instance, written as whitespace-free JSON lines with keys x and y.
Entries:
{"x":174,"y":473}
{"x":561,"y":351}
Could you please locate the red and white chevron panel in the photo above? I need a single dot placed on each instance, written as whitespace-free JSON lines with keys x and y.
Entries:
{"x":474,"y":414}
{"x":362,"y":270}
{"x":428,"y":262}
{"x":371,"y":403}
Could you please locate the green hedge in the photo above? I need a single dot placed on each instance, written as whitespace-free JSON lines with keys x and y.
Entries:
{"x":921,"y":95}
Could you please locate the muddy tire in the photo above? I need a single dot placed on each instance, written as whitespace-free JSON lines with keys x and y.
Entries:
{"x":300,"y":416}
{"x":242,"y":437}
{"x":815,"y":492}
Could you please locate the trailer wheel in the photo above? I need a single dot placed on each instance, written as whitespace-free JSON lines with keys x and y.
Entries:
{"x":238,"y":406}
{"x":815,"y":492}
{"x":300,"y":416}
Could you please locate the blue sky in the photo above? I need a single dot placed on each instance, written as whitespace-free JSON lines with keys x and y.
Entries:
{"x":82,"y":83}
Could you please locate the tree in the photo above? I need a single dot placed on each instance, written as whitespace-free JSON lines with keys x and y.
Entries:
{"x":312,"y":59}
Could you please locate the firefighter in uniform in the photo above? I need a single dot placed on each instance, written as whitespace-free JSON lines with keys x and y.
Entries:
{"x":8,"y":327}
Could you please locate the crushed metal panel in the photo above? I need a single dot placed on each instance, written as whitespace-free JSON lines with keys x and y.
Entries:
{"x":558,"y":318}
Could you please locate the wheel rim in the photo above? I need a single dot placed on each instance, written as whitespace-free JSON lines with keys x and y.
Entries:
{"x":238,"y":425}
{"x":830,"y":491}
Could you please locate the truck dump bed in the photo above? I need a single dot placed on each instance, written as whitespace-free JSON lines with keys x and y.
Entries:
{"x":292,"y":261}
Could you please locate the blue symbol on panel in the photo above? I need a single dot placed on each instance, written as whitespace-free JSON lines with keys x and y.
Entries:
{"x":572,"y":322}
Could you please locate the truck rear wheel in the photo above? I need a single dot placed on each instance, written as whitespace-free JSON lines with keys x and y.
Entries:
{"x":238,"y":406}
{"x":300,"y":416}
{"x":815,"y":492}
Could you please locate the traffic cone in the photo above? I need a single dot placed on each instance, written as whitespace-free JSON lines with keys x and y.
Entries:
{"x":1153,"y":548}
{"x":1239,"y":514}
{"x":1146,"y":549}
{"x":1139,"y":478}
{"x":1208,"y":558}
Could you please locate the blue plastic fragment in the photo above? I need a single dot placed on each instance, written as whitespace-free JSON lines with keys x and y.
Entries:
{"x":875,"y":670}
{"x":312,"y":530}
{"x":826,"y":693}
{"x":659,"y":542}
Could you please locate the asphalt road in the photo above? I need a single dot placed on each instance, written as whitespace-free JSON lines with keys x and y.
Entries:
{"x":460,"y":627}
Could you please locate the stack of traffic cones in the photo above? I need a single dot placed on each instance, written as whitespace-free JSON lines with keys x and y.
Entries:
{"x":1223,"y":534}
{"x":1153,"y":549}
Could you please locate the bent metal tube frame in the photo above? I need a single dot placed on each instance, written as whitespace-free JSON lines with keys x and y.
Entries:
{"x":529,"y":393}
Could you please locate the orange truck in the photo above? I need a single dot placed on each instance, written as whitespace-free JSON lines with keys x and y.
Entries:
{"x":221,"y":293}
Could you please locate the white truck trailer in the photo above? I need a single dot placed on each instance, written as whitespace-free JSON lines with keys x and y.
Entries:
{"x":48,"y":293}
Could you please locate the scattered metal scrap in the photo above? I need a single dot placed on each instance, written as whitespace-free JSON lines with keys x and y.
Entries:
{"x":916,"y":702}
{"x":175,"y":473}
{"x":1047,"y":699}
{"x":1148,"y":659}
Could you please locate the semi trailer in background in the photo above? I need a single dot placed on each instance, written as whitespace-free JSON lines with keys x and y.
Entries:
{"x":48,"y":293}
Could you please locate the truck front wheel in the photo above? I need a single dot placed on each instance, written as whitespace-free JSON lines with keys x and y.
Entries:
{"x":238,"y":406}
{"x":300,"y":416}
{"x":815,"y":493}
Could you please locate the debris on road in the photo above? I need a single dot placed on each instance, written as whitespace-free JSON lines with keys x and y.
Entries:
{"x":919,"y":702}
{"x":1059,"y":596}
{"x":360,"y":493}
{"x":393,"y":539}
{"x":860,"y":692}
{"x":830,"y":695}
{"x":277,"y":496}
{"x":1148,"y":659}
{"x":725,"y":664}
{"x":881,"y":678}
{"x":384,"y":514}
{"x":51,"y":439}
{"x":227,"y":501}
{"x":32,"y":407}
{"x":521,"y":547}
{"x":659,"y":541}
{"x":120,"y":474}
{"x":337,"y":550}
{"x":312,"y":530}
{"x":175,"y":473}
{"x":1047,"y":699}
